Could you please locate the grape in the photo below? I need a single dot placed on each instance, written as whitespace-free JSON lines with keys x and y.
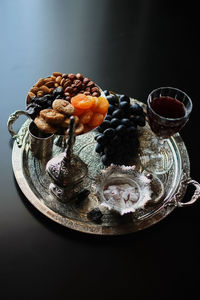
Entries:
{"x":120,"y":129}
{"x":140,"y":120}
{"x":127,"y":114}
{"x":136,"y":109}
{"x":99,"y":129}
{"x":114,"y":122}
{"x":132,"y":131}
{"x":112,"y":99}
{"x":109,"y":151}
{"x":109,"y":132}
{"x":108,"y":118}
{"x":96,"y":136}
{"x":105,"y":160}
{"x":111,"y":108}
{"x":124,"y":105}
{"x":133,"y":121}
{"x":101,"y":139}
{"x":118,"y":113}
{"x":134,"y":143}
{"x":105,"y":124}
{"x":124,"y":98}
{"x":116,"y":140}
{"x":125,"y":122}
{"x":99,"y":148}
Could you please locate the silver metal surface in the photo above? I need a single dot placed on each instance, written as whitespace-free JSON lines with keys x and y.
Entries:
{"x":66,"y":170}
{"x":34,"y":183}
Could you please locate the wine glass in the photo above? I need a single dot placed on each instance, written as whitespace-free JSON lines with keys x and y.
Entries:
{"x":168,"y":110}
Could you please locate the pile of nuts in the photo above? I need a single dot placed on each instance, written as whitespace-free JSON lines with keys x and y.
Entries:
{"x":71,"y":84}
{"x":49,"y":103}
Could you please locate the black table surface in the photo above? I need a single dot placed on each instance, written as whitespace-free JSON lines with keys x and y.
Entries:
{"x":130,"y":47}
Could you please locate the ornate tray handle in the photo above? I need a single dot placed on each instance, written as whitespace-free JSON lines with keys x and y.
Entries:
{"x":185,"y":182}
{"x":12,"y":118}
{"x":195,"y":196}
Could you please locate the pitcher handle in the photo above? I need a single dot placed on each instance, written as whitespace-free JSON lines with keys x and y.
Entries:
{"x":12,"y":118}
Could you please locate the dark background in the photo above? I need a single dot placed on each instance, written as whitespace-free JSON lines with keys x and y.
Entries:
{"x":130,"y":47}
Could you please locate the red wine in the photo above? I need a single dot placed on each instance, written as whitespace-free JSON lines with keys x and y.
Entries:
{"x":166,"y":116}
{"x":168,"y":107}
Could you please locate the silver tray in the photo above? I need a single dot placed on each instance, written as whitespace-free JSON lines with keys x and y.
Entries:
{"x":34,"y":183}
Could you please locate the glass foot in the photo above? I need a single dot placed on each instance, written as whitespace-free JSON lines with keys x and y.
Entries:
{"x":157,"y":160}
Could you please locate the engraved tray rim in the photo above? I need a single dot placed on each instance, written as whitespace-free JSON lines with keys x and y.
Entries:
{"x":93,"y":228}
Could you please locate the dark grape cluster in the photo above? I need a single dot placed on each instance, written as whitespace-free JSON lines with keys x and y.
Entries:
{"x":39,"y":103}
{"x":117,"y":138}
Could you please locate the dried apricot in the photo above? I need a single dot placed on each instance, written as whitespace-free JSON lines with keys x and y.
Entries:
{"x":86,"y":117}
{"x":86,"y":128}
{"x":79,"y":129}
{"x":82,"y":101}
{"x":101,"y":105}
{"x":96,"y":119}
{"x":78,"y":111}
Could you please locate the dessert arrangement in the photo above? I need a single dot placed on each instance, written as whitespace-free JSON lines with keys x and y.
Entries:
{"x":103,"y":180}
{"x":123,"y":189}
